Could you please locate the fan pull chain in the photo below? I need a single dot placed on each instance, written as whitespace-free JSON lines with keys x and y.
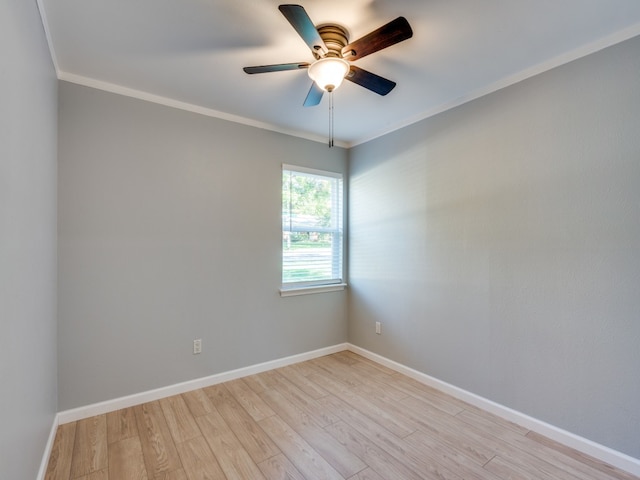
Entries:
{"x":330,"y":119}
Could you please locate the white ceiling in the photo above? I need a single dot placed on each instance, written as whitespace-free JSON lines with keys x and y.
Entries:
{"x":190,"y":54}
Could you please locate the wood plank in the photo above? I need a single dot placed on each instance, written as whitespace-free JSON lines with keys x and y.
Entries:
{"x":491,"y":439}
{"x":158,"y":448}
{"x":258,"y":382}
{"x":199,"y":461}
{"x":363,"y":380}
{"x":303,"y":383}
{"x":234,"y":460}
{"x":249,"y":399}
{"x":121,"y":425}
{"x":398,"y":426}
{"x":504,"y":469}
{"x":309,"y":462}
{"x":582,"y":464}
{"x":279,"y":468}
{"x":429,"y":395}
{"x":179,"y":419}
{"x":90,"y":446}
{"x":173,"y":475}
{"x":371,"y":363}
{"x":380,"y":389}
{"x":489,"y":422}
{"x":198,"y":402}
{"x":448,"y":455}
{"x":304,"y":368}
{"x":368,"y":474}
{"x":331,"y":450}
{"x":304,"y":402}
{"x":415,"y":457}
{"x":126,"y":461}
{"x":377,"y":458}
{"x":256,"y":442}
{"x":423,"y":392}
{"x":524,"y":450}
{"x":99,"y":475}
{"x":59,"y":466}
{"x":371,"y":370}
{"x":344,"y":357}
{"x":337,"y":370}
{"x":300,"y":399}
{"x":520,"y":450}
{"x":447,"y":428}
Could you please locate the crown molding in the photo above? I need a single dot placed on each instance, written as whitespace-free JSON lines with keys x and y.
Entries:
{"x":189,"y":107}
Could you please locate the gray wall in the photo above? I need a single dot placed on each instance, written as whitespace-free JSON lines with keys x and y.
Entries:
{"x":499,"y":245}
{"x":169,"y":230}
{"x":28,"y":125}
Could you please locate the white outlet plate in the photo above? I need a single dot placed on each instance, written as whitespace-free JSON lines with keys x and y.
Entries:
{"x":378,"y":331}
{"x":197,"y":346}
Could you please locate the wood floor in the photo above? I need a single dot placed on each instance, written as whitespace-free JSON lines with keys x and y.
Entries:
{"x":337,"y":417}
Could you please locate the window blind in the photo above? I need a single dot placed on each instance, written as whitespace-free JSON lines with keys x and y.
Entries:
{"x":312,"y":227}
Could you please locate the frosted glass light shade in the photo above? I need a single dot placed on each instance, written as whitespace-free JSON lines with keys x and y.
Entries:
{"x":328,"y":73}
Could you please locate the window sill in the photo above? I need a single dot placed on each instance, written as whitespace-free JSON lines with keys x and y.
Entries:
{"x":294,"y":291}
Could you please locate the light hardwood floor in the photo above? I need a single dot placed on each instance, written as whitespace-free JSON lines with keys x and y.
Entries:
{"x":337,"y":417}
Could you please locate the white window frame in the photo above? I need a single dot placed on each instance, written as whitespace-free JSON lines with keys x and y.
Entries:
{"x":337,"y":228}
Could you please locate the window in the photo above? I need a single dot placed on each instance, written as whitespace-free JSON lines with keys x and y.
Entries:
{"x":312,"y":230}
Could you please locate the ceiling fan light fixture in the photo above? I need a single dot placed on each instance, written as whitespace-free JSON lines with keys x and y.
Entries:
{"x":328,"y":72}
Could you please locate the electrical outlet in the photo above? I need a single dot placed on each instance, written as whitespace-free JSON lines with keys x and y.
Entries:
{"x":378,"y":331}
{"x":197,"y":346}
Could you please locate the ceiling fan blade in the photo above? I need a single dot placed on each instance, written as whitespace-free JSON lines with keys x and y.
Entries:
{"x":279,"y":67}
{"x":370,"y":81}
{"x":393,"y":32}
{"x":314,"y":96}
{"x":299,"y":20}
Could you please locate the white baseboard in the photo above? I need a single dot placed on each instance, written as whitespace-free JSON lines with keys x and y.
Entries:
{"x":151,"y":395}
{"x":584,"y":445}
{"x":47,"y":449}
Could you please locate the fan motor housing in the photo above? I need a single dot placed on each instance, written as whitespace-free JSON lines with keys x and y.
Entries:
{"x":335,"y":38}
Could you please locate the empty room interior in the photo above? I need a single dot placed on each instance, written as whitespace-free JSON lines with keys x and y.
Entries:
{"x":474,"y":308}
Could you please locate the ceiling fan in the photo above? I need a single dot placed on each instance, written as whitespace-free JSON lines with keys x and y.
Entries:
{"x":333,"y":54}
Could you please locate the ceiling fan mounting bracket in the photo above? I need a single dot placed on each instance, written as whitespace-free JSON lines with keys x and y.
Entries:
{"x":335,"y":38}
